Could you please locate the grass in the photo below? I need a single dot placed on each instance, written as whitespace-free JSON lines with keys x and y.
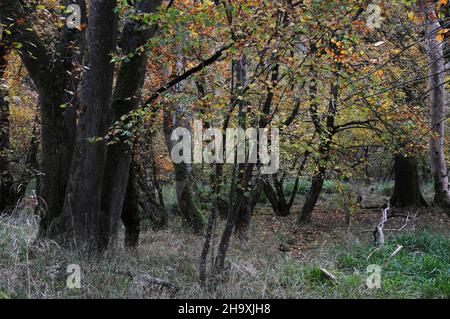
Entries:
{"x":255,"y":269}
{"x":420,"y":270}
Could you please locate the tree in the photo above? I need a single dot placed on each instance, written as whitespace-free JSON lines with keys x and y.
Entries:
{"x":126,"y":98}
{"x":7,"y":198}
{"x":407,"y":186}
{"x":53,"y":80}
{"x":435,"y":53}
{"x":79,"y":219}
{"x":187,"y":204}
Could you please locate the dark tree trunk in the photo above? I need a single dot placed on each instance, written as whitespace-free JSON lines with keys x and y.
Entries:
{"x":126,"y":98}
{"x":156,"y":183}
{"x":244,"y":214}
{"x":130,"y":212}
{"x":151,"y":207}
{"x":52,"y":79}
{"x":326,"y":133}
{"x":58,"y":124}
{"x":277,"y":199}
{"x":7,"y":199}
{"x":79,"y":220}
{"x":243,"y":219}
{"x":311,"y":199}
{"x":407,"y":186}
{"x":246,"y":211}
{"x":280,"y":205}
{"x":56,"y":155}
{"x":242,"y":178}
{"x":237,"y":200}
{"x":242,"y":174}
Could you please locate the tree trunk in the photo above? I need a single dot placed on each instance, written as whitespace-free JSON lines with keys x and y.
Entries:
{"x":326,"y":135}
{"x":79,"y":220}
{"x":126,"y":98}
{"x":7,"y":199}
{"x":186,"y":201}
{"x":438,"y":108}
{"x":187,"y":204}
{"x":407,"y":186}
{"x":130,"y":211}
{"x":56,"y":156}
{"x":311,"y":199}
{"x":52,"y":77}
{"x":244,"y":218}
{"x":275,"y":194}
{"x":151,"y":207}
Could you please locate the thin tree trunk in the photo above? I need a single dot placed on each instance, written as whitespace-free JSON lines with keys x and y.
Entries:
{"x":311,"y":199}
{"x":130,"y":211}
{"x":6,"y":180}
{"x":187,"y":204}
{"x":325,"y":139}
{"x":438,"y":107}
{"x":151,"y":207}
{"x":276,"y":199}
{"x":244,"y":214}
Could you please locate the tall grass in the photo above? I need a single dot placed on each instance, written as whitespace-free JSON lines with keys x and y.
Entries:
{"x":255,"y":269}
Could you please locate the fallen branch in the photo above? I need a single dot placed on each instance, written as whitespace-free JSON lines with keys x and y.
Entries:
{"x":150,"y":280}
{"x":396,"y":251}
{"x":328,"y":275}
{"x":147,"y":279}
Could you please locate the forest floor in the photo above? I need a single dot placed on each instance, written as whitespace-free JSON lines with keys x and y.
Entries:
{"x":279,"y":260}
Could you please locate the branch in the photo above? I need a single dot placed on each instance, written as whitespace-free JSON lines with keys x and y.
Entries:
{"x":27,"y":42}
{"x":215,"y":57}
{"x":342,"y":127}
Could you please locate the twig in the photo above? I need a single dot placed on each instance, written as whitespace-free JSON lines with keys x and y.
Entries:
{"x":328,"y":275}
{"x":378,"y":234}
{"x":396,"y":251}
{"x":373,"y":252}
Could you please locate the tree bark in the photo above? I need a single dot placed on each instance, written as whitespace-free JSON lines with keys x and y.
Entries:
{"x":437,"y":73}
{"x":326,"y":133}
{"x":7,"y":199}
{"x":311,"y":199}
{"x":153,"y":209}
{"x":126,"y":98}
{"x":407,"y":186}
{"x":130,"y":212}
{"x":275,"y":194}
{"x":51,"y":80}
{"x":79,"y":220}
{"x":186,"y":200}
{"x":187,"y":204}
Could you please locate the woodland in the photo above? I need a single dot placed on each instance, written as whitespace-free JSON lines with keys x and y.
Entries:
{"x":93,"y":204}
